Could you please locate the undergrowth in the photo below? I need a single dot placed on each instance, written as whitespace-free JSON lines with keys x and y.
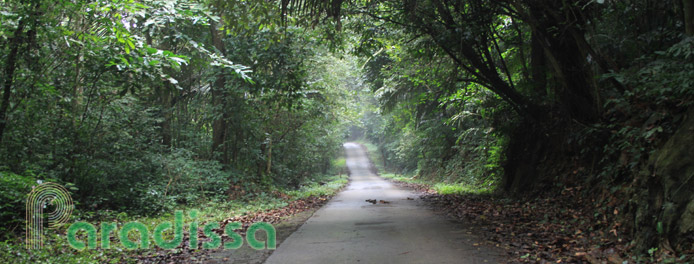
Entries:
{"x":57,"y":250}
{"x":440,"y":187}
{"x":432,"y":183}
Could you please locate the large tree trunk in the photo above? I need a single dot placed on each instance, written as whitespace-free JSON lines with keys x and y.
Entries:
{"x":577,"y":91}
{"x":664,"y":204}
{"x":538,"y":65}
{"x":9,"y":70}
{"x":556,"y":26}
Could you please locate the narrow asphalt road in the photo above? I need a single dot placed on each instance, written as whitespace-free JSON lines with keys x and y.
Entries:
{"x":350,"y":230}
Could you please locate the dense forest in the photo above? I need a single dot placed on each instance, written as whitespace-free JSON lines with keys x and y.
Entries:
{"x":140,"y":107}
{"x":533,"y":97}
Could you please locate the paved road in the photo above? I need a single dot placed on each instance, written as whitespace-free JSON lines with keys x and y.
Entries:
{"x":350,"y":230}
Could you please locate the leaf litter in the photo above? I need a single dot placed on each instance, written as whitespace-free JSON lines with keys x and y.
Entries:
{"x":550,"y":228}
{"x":184,"y":254}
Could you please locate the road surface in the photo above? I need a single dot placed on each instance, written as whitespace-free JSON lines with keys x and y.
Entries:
{"x":350,"y":230}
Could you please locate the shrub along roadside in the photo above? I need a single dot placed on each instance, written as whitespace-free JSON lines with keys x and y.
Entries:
{"x":249,"y":208}
{"x":430,"y":183}
{"x":13,"y":190}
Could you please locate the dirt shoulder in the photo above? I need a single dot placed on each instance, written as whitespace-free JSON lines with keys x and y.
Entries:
{"x":247,"y":255}
{"x":285,"y":220}
{"x":550,"y":228}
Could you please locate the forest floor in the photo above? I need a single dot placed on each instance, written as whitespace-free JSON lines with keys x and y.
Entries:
{"x":554,"y":228}
{"x":285,"y":220}
{"x":246,"y":255}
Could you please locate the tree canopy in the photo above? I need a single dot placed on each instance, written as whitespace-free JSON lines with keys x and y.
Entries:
{"x":141,"y":106}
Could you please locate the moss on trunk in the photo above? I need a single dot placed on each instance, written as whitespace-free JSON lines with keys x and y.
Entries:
{"x":665,"y":217}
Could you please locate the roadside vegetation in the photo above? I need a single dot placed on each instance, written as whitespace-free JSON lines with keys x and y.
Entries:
{"x":435,"y":185}
{"x":271,"y":207}
{"x":143,"y":107}
{"x":530,"y":100}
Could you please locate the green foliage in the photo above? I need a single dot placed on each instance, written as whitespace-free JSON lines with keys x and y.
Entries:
{"x":57,"y":250}
{"x":440,"y":187}
{"x":146,"y":106}
{"x":13,"y":193}
{"x":559,"y":94}
{"x":375,"y":155}
{"x":339,"y":163}
{"x":122,"y":99}
{"x":431,"y":124}
{"x":661,"y":86}
{"x":666,"y":79}
{"x":319,"y":187}
{"x":191,"y":180}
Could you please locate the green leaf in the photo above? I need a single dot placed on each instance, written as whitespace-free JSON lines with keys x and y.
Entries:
{"x":125,"y":61}
{"x":130,"y":43}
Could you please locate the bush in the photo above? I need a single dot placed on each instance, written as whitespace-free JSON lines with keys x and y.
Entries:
{"x":187,"y":180}
{"x":14,"y":189}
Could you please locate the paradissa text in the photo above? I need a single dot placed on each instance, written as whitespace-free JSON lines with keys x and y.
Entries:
{"x":144,"y":241}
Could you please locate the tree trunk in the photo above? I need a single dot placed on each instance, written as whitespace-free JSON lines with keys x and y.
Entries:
{"x":567,"y":51}
{"x":77,"y":82}
{"x":166,"y":105}
{"x":164,"y":97}
{"x":576,"y":95}
{"x":664,"y":204}
{"x":219,"y":125}
{"x":269,"y":157}
{"x":537,"y":65}
{"x":688,"y":6}
{"x":472,"y":56}
{"x":10,"y":67}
